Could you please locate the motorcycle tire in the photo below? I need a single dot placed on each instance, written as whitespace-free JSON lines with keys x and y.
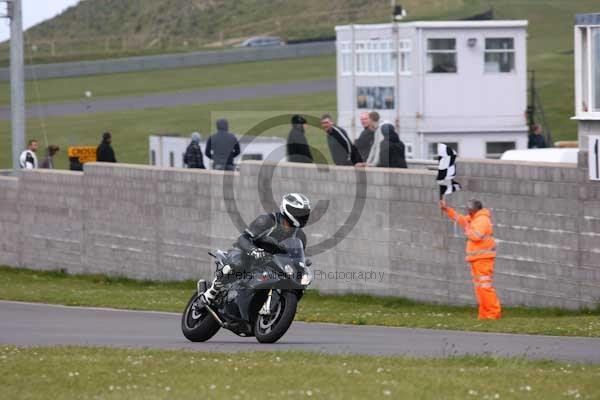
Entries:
{"x":269,"y":329}
{"x":198,"y":325}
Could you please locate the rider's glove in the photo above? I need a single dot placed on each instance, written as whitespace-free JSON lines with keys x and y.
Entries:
{"x":257,"y":253}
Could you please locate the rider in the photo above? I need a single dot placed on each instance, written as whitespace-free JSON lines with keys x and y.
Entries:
{"x":288,"y":222}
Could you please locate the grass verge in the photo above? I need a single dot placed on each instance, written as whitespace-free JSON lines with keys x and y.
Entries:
{"x":99,"y":373}
{"x":103,"y":291}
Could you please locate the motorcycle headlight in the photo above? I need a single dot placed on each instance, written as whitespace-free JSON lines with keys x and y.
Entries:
{"x":307,"y":277}
{"x":289,"y":269}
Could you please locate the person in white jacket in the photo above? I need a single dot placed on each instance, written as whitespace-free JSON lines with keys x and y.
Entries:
{"x":28,"y":159}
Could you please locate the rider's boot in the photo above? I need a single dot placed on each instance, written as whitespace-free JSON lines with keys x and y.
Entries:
{"x":216,"y":286}
{"x":211,"y":293}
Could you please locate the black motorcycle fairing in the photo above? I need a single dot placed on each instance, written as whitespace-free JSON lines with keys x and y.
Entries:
{"x":246,"y":293}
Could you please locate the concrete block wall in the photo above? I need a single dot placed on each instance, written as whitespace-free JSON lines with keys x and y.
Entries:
{"x":54,"y":198}
{"x":152,"y":223}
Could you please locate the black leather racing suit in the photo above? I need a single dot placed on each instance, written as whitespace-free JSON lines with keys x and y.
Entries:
{"x":267,"y":225}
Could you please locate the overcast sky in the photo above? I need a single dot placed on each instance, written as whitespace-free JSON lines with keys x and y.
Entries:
{"x":35,"y":11}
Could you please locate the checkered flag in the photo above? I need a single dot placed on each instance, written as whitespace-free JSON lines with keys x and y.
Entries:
{"x":447,"y":170}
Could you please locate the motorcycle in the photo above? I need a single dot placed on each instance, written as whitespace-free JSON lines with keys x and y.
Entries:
{"x":259,"y":301}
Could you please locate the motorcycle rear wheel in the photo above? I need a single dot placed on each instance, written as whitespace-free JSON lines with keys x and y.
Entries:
{"x":270,"y":328}
{"x":197,"y":324}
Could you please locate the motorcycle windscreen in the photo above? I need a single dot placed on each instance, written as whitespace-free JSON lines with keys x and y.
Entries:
{"x":294,"y":248}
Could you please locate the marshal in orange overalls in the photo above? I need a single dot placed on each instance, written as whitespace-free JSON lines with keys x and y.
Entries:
{"x":481,"y":253}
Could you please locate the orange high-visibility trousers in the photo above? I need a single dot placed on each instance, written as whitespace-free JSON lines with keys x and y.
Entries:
{"x":483,"y":271}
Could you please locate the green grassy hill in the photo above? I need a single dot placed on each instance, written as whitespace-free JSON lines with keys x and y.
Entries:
{"x":208,"y":19}
{"x":115,"y":28}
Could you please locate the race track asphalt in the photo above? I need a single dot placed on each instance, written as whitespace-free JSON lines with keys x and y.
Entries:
{"x":206,"y":96}
{"x":27,"y":324}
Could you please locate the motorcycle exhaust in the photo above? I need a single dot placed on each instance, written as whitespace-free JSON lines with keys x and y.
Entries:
{"x":215,"y":316}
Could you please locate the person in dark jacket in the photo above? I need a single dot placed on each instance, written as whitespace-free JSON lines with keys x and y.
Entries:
{"x":365,"y":140}
{"x":393,"y":153}
{"x":193,"y":154}
{"x":222,"y":147}
{"x":48,"y":162}
{"x":342,"y":150}
{"x":105,"y":152}
{"x":297,"y":145}
{"x":536,"y":138}
{"x":387,"y":150}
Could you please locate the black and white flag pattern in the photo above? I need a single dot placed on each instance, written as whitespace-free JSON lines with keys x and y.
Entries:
{"x":447,"y":170}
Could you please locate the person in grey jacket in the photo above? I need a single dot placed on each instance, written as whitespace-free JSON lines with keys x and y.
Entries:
{"x":222,"y":147}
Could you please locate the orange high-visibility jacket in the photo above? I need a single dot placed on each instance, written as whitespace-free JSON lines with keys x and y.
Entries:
{"x":479,"y":231}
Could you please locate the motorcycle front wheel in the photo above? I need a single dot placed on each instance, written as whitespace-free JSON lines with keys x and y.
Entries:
{"x":197,"y":324}
{"x":270,"y":328}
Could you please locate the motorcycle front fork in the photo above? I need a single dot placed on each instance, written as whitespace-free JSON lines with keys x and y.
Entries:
{"x":266,"y":308}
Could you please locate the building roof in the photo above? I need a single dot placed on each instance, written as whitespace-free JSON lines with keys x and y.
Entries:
{"x":587,"y":19}
{"x":442,"y":25}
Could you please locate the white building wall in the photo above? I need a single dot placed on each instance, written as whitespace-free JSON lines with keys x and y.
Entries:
{"x":472,"y":99}
{"x":470,"y":106}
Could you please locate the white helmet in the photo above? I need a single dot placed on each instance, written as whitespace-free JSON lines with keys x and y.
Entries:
{"x":295,"y":207}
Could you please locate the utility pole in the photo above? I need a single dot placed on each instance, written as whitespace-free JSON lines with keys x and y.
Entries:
{"x":17,"y":79}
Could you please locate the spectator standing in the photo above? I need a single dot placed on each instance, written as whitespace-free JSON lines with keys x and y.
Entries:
{"x":28,"y":159}
{"x":48,"y":162}
{"x":222,"y":147}
{"x":365,"y":140}
{"x":297,"y":145}
{"x":105,"y":152}
{"x":342,"y":150}
{"x":193,"y":154}
{"x":536,"y":138}
{"x":387,"y":150}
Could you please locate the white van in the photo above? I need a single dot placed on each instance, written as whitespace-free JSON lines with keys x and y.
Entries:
{"x":553,"y":155}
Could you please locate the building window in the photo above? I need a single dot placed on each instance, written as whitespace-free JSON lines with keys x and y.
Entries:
{"x":433,"y":148}
{"x":441,"y":56}
{"x":171,"y":159}
{"x":496,"y":149}
{"x":375,"y":98}
{"x":249,"y":156}
{"x":375,"y":57}
{"x":152,"y":157}
{"x":499,"y":55}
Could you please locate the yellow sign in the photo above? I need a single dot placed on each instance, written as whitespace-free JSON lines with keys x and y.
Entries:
{"x":83,"y":153}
